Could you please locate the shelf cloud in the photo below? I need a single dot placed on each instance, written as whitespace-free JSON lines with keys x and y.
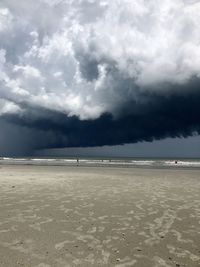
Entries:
{"x":91,"y":73}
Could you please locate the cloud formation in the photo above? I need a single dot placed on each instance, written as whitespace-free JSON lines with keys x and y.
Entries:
{"x":114,"y":70}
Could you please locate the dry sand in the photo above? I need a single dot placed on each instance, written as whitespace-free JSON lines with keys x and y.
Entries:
{"x":80,"y":216}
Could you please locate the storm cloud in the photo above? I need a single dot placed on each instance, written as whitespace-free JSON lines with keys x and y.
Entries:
{"x":91,"y":73}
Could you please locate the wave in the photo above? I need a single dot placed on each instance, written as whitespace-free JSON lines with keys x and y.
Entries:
{"x":102,"y":162}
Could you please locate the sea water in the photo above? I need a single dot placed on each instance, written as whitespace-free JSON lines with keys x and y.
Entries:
{"x":94,"y":161}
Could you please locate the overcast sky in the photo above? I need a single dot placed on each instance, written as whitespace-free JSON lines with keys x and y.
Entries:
{"x":92,"y":73}
{"x":168,"y":148}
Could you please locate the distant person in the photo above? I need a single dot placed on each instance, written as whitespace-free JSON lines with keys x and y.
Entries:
{"x":176,"y":162}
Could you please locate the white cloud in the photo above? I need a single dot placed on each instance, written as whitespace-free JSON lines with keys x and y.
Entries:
{"x":86,"y":57}
{"x":7,"y":107}
{"x":5,"y":19}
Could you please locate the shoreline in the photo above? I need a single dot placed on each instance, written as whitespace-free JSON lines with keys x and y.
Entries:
{"x":99,"y":165}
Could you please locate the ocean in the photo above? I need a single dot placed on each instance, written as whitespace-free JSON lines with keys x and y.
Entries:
{"x":94,"y":161}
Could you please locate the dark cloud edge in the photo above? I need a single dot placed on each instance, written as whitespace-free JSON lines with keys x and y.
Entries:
{"x":175,"y":113}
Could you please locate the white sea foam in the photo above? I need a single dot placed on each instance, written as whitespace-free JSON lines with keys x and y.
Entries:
{"x":191,"y":163}
{"x":103,"y":162}
{"x":42,"y":159}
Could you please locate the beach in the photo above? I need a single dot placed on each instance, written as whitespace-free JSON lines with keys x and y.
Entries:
{"x":60,"y":216}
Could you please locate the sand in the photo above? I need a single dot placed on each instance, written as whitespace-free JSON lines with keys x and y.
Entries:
{"x":80,"y":216}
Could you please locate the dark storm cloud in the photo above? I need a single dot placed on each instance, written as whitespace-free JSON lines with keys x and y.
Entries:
{"x":173,"y":115}
{"x":90,"y":73}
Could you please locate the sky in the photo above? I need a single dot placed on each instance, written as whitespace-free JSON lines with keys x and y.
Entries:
{"x":172,"y":148}
{"x":100,"y":76}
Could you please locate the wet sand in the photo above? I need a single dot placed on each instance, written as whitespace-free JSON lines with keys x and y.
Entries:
{"x":80,"y":216}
